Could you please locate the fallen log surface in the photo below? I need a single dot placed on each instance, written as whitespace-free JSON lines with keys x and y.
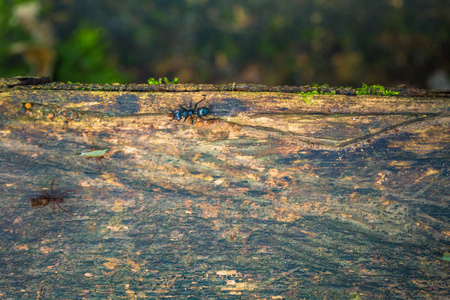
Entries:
{"x":275,"y":193}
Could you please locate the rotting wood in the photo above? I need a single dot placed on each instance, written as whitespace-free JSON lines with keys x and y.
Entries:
{"x":270,"y":197}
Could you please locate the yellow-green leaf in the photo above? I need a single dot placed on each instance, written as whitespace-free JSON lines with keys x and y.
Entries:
{"x":95,"y":153}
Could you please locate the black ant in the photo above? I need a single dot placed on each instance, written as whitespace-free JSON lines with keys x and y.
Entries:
{"x":50,"y":197}
{"x":186,"y":113}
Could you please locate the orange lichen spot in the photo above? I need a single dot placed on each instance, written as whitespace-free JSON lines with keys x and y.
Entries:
{"x":136,"y":267}
{"x":228,"y":273}
{"x":231,"y":282}
{"x":354,"y":197}
{"x":189,"y":203}
{"x":310,"y":234}
{"x":118,"y":205}
{"x":46,"y":250}
{"x":111,"y":179}
{"x":112,"y":263}
{"x":239,"y":286}
{"x":27,"y":105}
{"x":203,"y":177}
{"x":427,"y":173}
{"x":208,"y":210}
{"x":21,"y":247}
{"x":117,"y":228}
{"x":422,"y":225}
{"x":131,"y":294}
{"x":286,"y":214}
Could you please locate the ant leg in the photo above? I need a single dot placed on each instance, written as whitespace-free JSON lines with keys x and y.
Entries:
{"x":66,"y":192}
{"x":63,"y":209}
{"x":53,"y":181}
{"x":199,"y":102}
{"x":98,"y":167}
{"x":182,"y":108}
{"x":186,"y":118}
{"x":192,"y":120}
{"x":99,"y":159}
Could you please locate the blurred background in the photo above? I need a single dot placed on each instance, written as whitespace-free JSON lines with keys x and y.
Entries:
{"x":297,"y":42}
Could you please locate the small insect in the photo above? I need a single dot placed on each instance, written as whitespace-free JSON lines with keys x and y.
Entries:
{"x":50,"y":197}
{"x":97,"y":154}
{"x":186,"y":113}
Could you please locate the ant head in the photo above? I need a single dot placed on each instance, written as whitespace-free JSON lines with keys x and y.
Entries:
{"x":177,"y":115}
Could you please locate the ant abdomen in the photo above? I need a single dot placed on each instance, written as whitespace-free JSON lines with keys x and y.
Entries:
{"x":203,"y":111}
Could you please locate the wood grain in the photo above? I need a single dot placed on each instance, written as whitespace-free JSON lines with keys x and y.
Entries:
{"x":270,"y":197}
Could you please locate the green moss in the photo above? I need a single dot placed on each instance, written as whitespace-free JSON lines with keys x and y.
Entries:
{"x":355,"y":296}
{"x":153,"y":81}
{"x":375,"y":89}
{"x":319,"y":90}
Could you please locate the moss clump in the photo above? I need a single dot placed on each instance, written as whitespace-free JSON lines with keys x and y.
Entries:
{"x":153,"y":81}
{"x":323,"y":89}
{"x":375,"y":89}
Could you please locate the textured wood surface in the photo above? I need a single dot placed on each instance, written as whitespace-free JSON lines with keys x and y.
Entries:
{"x":274,"y":197}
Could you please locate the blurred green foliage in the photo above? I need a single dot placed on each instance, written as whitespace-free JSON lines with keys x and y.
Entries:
{"x":345,"y":42}
{"x":83,"y":58}
{"x":82,"y":55}
{"x":10,"y":65}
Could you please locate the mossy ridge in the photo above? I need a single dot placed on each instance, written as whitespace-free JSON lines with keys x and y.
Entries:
{"x":325,"y":89}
